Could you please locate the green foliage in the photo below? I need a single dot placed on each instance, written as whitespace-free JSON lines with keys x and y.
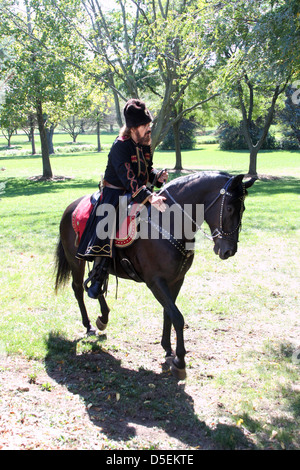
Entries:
{"x":232,"y":138}
{"x":41,"y":48}
{"x":186,"y":135}
{"x":256,"y":59}
{"x":178,"y":55}
{"x":290,"y":117}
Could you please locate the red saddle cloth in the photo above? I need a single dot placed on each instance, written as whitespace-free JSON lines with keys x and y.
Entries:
{"x":124,"y":236}
{"x":80,"y":217}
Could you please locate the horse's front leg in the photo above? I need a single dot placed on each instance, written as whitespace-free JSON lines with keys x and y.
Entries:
{"x":173,"y":316}
{"x":166,"y":336}
{"x":167,"y":325}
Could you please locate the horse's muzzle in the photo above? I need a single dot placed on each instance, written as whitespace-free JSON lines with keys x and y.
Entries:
{"x":225,"y":250}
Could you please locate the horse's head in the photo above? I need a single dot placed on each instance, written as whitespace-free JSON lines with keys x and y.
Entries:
{"x":224,"y":215}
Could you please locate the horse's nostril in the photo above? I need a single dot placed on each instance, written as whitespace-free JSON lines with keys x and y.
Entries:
{"x":229,"y":253}
{"x":225,"y":254}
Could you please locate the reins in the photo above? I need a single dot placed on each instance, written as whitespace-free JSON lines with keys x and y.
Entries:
{"x":218,"y":232}
{"x":224,"y":192}
{"x":210,"y":237}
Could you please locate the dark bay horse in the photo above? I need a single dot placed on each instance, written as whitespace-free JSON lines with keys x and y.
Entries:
{"x":162,"y":263}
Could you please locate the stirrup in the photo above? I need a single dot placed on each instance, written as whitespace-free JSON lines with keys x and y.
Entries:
{"x":92,"y":275}
{"x":98,"y":277}
{"x":85,"y":284}
{"x":97,"y":289}
{"x":90,"y":278}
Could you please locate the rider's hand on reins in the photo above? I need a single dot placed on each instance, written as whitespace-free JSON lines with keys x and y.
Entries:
{"x":163,"y":176}
{"x":158,"y":202}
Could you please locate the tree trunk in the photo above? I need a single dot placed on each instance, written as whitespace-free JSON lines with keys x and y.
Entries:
{"x":254,"y":149}
{"x":116,"y":101}
{"x":47,"y":171}
{"x":98,"y":137}
{"x":49,"y":133}
{"x":31,"y":134}
{"x":161,"y":125}
{"x":176,"y":128}
{"x":74,"y":135}
{"x":33,"y":151}
{"x":253,"y":161}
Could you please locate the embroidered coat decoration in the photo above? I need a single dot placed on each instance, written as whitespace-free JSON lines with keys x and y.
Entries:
{"x":129,"y":170}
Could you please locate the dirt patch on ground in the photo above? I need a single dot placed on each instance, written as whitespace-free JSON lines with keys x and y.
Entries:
{"x":114,"y":391}
{"x":37,"y":179}
{"x":66,"y":409}
{"x":126,"y":398}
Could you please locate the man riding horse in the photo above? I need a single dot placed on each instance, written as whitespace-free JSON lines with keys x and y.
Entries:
{"x":129,"y":170}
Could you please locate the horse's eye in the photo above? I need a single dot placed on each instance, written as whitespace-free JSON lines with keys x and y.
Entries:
{"x":229,"y":209}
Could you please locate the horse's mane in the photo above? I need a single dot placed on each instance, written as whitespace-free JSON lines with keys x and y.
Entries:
{"x":182,"y":180}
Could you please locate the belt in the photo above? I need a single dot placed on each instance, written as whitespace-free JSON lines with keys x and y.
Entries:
{"x":106,"y":184}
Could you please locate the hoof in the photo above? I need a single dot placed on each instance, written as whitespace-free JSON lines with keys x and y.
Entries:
{"x":179,"y":374}
{"x":91,"y":331}
{"x":166,"y":366}
{"x":100,"y":325}
{"x":169,"y":360}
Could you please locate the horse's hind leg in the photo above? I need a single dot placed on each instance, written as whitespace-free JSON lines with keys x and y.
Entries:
{"x":77,"y":285}
{"x":102,"y":321}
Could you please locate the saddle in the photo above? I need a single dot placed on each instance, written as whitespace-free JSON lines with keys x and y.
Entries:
{"x":126,"y":233}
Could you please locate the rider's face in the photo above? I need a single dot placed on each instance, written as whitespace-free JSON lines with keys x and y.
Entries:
{"x":143,"y":134}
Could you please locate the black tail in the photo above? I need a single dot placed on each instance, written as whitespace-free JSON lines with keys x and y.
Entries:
{"x":62,"y":267}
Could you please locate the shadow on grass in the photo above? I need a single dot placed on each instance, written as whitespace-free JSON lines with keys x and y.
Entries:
{"x":118,"y":398}
{"x":15,"y":187}
{"x":270,"y":187}
{"x":263,"y":186}
{"x":75,"y":152}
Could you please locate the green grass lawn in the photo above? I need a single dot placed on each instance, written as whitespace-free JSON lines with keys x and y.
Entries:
{"x":242,"y":314}
{"x":68,"y":159}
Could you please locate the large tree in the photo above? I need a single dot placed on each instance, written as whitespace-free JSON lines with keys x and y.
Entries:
{"x":40,"y":45}
{"x":147,"y":49}
{"x":256,"y":58}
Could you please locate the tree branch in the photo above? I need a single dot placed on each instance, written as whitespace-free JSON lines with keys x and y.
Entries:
{"x":245,"y":117}
{"x":251,"y":99}
{"x":191,"y":108}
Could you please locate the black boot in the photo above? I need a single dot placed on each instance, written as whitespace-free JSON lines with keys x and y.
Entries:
{"x":98,"y":278}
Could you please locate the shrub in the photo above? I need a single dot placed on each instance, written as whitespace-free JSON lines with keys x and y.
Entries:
{"x":289,"y":140}
{"x":289,"y":144}
{"x":232,"y":138}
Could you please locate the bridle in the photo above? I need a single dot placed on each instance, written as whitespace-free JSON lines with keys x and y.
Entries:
{"x":218,"y":232}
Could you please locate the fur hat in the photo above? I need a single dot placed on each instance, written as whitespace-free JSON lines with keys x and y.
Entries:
{"x":136,"y":114}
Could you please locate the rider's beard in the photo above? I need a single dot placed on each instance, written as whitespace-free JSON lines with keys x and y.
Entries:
{"x":144,"y":140}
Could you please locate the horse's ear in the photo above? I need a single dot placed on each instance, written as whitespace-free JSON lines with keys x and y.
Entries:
{"x":250,"y":182}
{"x":237,"y":180}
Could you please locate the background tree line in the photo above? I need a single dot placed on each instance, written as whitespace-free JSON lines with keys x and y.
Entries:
{"x":214,"y":61}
